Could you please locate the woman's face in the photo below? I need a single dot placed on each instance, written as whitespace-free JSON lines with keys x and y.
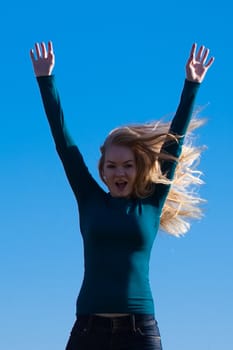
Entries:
{"x":119,"y":170}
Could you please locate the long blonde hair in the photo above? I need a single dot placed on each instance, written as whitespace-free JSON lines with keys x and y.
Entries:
{"x":146,"y":141}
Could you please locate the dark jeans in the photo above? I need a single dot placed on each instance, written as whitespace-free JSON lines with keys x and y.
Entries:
{"x":132,"y":332}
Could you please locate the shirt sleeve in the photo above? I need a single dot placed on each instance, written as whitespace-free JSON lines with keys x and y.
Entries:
{"x":179,"y":126}
{"x":76,"y":170}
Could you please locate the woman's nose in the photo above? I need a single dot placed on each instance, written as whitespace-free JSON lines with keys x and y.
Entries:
{"x":120,"y":171}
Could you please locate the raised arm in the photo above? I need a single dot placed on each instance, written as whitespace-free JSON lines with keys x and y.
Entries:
{"x":43,"y":61}
{"x":196,"y":69}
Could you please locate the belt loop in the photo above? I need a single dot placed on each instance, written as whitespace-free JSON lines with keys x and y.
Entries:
{"x":133,"y":321}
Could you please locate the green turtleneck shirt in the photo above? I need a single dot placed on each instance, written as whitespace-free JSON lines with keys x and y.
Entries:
{"x":118,"y":233}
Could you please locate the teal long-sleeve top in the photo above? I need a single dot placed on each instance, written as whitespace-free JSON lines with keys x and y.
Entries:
{"x":118,"y":233}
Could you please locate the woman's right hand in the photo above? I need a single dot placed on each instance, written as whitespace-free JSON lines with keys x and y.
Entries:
{"x":197,"y":65}
{"x":43,"y":60}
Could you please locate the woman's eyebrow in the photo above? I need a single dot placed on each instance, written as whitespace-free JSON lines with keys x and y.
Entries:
{"x":126,"y":161}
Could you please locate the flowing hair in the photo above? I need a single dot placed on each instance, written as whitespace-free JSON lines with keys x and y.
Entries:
{"x":146,"y":141}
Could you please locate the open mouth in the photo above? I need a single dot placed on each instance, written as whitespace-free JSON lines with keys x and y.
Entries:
{"x":121,"y":185}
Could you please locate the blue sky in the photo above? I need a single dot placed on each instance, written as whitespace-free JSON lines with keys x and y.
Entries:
{"x":116,"y":62}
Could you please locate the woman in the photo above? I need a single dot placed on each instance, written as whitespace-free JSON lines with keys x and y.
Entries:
{"x":148,"y":171}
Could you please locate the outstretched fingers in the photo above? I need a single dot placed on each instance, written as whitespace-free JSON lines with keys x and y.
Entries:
{"x":210,"y":62}
{"x":43,"y":50}
{"x":43,"y":58}
{"x":202,"y":56}
{"x":38,"y":51}
{"x":200,"y":53}
{"x":35,"y":55}
{"x":198,"y":63}
{"x":50,"y":47}
{"x":193,"y":50}
{"x":192,"y":53}
{"x":205,"y":55}
{"x":32,"y":55}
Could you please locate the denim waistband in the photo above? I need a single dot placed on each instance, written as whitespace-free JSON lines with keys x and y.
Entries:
{"x":129,"y":322}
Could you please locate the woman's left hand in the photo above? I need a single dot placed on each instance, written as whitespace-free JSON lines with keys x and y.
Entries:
{"x":197,"y":64}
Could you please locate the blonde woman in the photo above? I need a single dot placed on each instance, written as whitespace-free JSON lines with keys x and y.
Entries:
{"x":148,"y":172}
